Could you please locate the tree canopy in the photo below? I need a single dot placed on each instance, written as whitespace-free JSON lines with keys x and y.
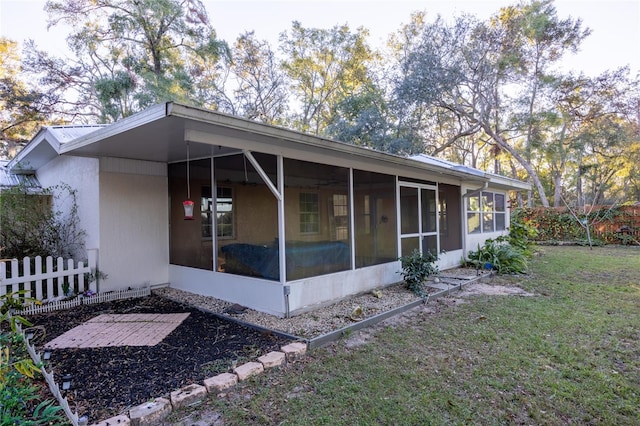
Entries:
{"x":486,"y":93}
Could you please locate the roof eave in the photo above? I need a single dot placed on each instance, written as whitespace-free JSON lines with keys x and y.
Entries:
{"x":229,"y":121}
{"x":20,"y":163}
{"x":149,"y":115}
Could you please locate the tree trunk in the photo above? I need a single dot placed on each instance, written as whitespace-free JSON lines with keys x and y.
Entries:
{"x":557,"y":191}
{"x":527,"y":166}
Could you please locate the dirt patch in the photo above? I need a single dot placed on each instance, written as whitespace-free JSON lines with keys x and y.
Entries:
{"x":478,"y":289}
{"x":364,"y":336}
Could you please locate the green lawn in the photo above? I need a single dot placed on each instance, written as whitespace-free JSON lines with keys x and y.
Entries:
{"x":569,"y":355}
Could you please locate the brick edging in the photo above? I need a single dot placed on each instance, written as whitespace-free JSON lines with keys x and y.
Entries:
{"x":152,"y":412}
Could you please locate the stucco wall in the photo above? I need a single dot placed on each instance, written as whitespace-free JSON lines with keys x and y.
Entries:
{"x":81,"y":174}
{"x":134,"y":243}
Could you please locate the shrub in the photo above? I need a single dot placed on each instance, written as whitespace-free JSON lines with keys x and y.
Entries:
{"x":522,"y":234}
{"x":30,"y":226}
{"x":416,"y":267}
{"x":500,"y":256}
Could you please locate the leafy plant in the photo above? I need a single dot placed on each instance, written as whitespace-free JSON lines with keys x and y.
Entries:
{"x":416,"y":267}
{"x":95,"y":275}
{"x":522,"y":234}
{"x":18,"y":390}
{"x":500,"y":255}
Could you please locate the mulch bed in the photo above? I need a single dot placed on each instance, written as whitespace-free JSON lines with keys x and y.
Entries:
{"x":109,"y":381}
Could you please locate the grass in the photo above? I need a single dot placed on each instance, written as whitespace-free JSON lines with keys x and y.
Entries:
{"x":569,"y":355}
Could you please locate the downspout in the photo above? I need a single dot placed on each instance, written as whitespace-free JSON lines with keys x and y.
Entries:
{"x":476,"y":191}
{"x":287,"y":292}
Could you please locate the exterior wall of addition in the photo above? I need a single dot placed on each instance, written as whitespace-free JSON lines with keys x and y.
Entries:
{"x":81,"y":174}
{"x":134,"y":244}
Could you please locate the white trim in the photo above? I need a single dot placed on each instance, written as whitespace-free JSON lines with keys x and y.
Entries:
{"x":282,"y":258}
{"x":352,"y":222}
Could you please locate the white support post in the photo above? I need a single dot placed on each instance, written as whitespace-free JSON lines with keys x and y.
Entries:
{"x":352,"y":223}
{"x":281,"y":225}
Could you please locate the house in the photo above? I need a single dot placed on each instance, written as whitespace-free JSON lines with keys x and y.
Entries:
{"x":282,"y":222}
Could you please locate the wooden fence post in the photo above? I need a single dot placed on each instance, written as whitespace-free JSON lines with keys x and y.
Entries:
{"x":3,"y":276}
{"x":38,"y":272}
{"x":26,"y":266}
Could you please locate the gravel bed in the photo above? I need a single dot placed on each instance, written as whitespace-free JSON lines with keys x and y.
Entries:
{"x":326,"y":318}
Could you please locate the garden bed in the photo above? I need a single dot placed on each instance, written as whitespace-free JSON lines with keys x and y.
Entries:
{"x":109,"y":380}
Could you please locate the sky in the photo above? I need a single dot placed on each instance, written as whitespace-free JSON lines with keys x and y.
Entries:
{"x":614,"y":42}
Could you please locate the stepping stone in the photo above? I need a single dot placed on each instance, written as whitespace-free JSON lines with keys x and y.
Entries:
{"x":220,"y":382}
{"x":188,"y":395}
{"x":247,"y":370}
{"x":150,"y":413}
{"x":294,"y":350}
{"x":272,"y":359}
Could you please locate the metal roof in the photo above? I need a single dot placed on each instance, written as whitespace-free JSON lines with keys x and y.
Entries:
{"x":497,"y":180}
{"x":66,"y":134}
{"x":10,"y":180}
{"x":162,"y":132}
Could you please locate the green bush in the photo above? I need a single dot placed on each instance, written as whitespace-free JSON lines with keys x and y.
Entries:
{"x":522,"y":234}
{"x":416,"y":267}
{"x":615,"y":225}
{"x":500,"y":256}
{"x":31,"y":226}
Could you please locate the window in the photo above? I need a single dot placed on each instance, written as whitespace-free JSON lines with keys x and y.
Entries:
{"x":309,"y":213}
{"x":486,"y":213}
{"x":340,"y":217}
{"x":500,"y":212}
{"x":224,"y":213}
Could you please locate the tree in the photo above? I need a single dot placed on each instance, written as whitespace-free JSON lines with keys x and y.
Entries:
{"x":589,"y":127}
{"x":21,"y":108}
{"x":468,"y":70}
{"x":261,"y":92}
{"x":325,"y":67}
{"x":534,"y":40}
{"x":130,"y":53}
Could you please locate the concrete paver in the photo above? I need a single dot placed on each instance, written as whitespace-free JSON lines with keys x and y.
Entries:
{"x":119,"y":330}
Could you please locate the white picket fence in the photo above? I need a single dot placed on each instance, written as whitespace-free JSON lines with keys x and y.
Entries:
{"x":45,"y":281}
